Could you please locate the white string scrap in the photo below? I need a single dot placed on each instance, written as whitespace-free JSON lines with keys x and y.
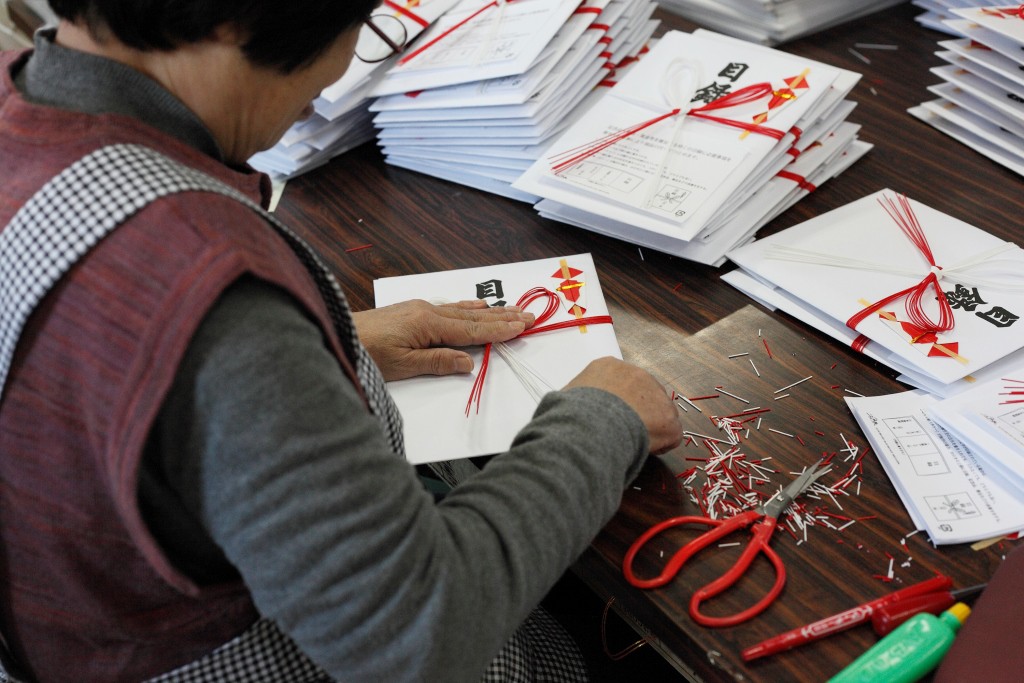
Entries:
{"x":849,"y":448}
{"x":790,"y":386}
{"x":957,"y":274}
{"x":531,"y":380}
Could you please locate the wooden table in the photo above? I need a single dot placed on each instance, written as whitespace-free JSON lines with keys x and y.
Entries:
{"x":661,"y":305}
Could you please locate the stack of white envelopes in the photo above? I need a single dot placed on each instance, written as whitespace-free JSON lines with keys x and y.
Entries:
{"x":341,"y":118}
{"x":981,"y":101}
{"x":704,"y":141}
{"x":937,"y":12}
{"x":929,"y":295}
{"x":482,"y":93}
{"x":773,"y":21}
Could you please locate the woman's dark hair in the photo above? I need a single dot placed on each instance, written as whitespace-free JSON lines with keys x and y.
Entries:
{"x":281,"y":35}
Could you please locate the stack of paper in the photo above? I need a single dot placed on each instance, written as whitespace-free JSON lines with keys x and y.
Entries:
{"x":341,"y":118}
{"x":773,"y":21}
{"x":981,"y":102}
{"x":989,"y":418}
{"x":482,"y":93}
{"x":937,"y":12}
{"x":833,"y":270}
{"x":438,"y":425}
{"x":707,"y":139}
{"x":957,"y":491}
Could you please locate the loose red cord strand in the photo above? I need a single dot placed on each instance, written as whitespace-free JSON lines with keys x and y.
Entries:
{"x":550,"y":308}
{"x":903,"y":214}
{"x":747,"y":95}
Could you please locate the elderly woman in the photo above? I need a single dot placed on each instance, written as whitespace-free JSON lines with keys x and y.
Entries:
{"x":201,"y":474}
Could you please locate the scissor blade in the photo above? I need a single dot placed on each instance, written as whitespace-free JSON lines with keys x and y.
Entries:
{"x":782,"y":500}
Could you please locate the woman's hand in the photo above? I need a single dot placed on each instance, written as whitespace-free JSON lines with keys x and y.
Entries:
{"x":642,"y":392}
{"x":415,"y":337}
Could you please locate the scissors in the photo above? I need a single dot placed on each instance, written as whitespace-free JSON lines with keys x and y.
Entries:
{"x":766,"y":517}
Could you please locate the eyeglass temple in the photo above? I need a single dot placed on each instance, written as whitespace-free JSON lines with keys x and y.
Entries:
{"x":383,"y":36}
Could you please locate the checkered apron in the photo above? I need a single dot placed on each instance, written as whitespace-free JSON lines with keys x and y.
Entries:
{"x":70,"y":215}
{"x":87,"y":200}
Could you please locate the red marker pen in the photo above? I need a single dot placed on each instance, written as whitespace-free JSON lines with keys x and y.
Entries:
{"x":888,"y":617}
{"x":842,"y":621}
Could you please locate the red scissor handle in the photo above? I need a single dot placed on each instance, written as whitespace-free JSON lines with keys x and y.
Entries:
{"x":719,"y":529}
{"x":761,"y":536}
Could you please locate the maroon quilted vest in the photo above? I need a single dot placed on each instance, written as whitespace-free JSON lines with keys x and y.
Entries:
{"x":86,"y":594}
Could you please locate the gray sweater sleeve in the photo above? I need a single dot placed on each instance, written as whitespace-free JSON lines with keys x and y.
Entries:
{"x":265,"y":444}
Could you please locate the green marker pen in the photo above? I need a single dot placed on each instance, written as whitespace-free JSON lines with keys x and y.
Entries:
{"x":909,"y":652}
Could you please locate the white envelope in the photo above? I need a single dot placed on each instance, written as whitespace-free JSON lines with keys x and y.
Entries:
{"x":844,"y":82}
{"x":461,"y":170}
{"x":966,"y":100}
{"x":984,"y":91}
{"x":445,"y":155}
{"x":518,"y":95}
{"x":477,"y":40}
{"x":522,"y":153}
{"x":455,"y":175}
{"x":773,"y":21}
{"x":413,"y":15}
{"x":989,"y":59}
{"x":1012,"y":145}
{"x":989,"y":38}
{"x":994,"y":152}
{"x":775,"y":299}
{"x":863,"y":233}
{"x":996,"y":78}
{"x":1002,"y":19}
{"x":434,"y":408}
{"x":542,"y":116}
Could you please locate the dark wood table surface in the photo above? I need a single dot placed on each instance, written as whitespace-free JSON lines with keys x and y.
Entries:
{"x":663,"y":307}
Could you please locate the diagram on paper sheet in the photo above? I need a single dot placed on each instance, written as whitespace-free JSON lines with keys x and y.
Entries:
{"x":917,"y":445}
{"x":605,"y":176}
{"x":669,"y":198}
{"x":952,"y":507}
{"x":1013,"y":423}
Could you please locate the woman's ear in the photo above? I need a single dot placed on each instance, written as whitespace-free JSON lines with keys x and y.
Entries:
{"x":229,"y":34}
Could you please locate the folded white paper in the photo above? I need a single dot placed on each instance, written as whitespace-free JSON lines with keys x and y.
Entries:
{"x":434,"y":408}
